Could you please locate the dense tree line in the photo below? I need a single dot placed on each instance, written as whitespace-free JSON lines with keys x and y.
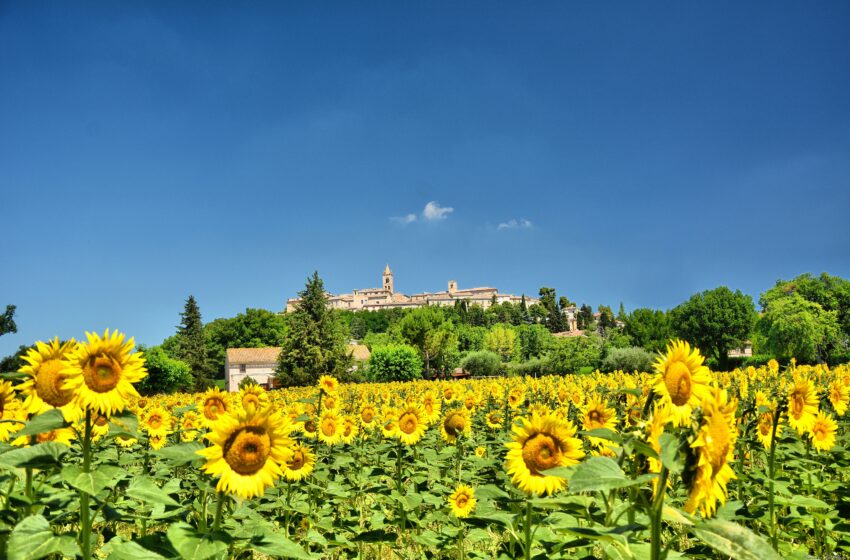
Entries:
{"x":807,"y":318}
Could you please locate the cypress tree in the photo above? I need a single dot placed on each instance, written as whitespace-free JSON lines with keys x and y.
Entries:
{"x":191,"y":345}
{"x":315,"y":342}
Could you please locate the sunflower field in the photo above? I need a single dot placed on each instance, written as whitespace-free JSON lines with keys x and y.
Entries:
{"x":676,"y":462}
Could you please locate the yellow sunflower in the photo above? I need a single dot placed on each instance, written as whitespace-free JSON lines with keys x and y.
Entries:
{"x":330,"y":428}
{"x":540,"y":444}
{"x":764,"y":430}
{"x":301,"y":464}
{"x":213,"y":405}
{"x":411,"y":424}
{"x":655,"y":427}
{"x":190,"y":425}
{"x":714,"y":448}
{"x":839,"y":396}
{"x":682,"y":381}
{"x":126,"y":442}
{"x":350,"y":429}
{"x":253,"y":395}
{"x":99,"y":426}
{"x":480,"y":452}
{"x":802,"y":405}
{"x":597,"y":414}
{"x":367,"y":416}
{"x":455,"y":423}
{"x":389,"y":423}
{"x":155,"y":420}
{"x":157,"y":441}
{"x":462,"y":501}
{"x":823,"y":431}
{"x":102,"y":371}
{"x":44,"y":384}
{"x":328,"y":384}
{"x":248,"y":450}
{"x":60,"y":435}
{"x":493,"y":419}
{"x":11,"y":411}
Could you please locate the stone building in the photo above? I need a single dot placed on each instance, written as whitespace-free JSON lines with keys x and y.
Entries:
{"x":385,"y":297}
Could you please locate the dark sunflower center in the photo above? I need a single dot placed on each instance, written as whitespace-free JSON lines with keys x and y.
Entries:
{"x":541,"y":452}
{"x":48,"y":384}
{"x":297,"y":461}
{"x":454,"y":424}
{"x":408,"y":423}
{"x":247,"y":449}
{"x":328,"y":427}
{"x":102,"y":374}
{"x":213,"y":407}
{"x":677,"y":378}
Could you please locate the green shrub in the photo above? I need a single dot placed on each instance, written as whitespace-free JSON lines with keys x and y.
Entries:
{"x":627,"y":359}
{"x":483,"y":363}
{"x":396,"y":362}
{"x":570,"y":355}
{"x":534,"y":367}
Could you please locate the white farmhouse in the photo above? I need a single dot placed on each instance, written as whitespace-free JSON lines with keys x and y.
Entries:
{"x":256,"y":363}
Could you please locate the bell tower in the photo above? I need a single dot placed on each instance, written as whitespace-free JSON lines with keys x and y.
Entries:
{"x":388,"y":279}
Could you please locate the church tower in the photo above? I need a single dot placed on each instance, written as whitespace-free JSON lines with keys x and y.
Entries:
{"x":388,"y":279}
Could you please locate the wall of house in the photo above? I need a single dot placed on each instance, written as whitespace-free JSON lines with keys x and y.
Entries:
{"x":261,"y":373}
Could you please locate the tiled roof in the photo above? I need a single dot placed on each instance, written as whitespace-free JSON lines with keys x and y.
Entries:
{"x":252,"y":355}
{"x":359,"y":352}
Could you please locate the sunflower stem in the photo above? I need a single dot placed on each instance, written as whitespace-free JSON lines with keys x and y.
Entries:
{"x":655,"y":514}
{"x":219,"y":508}
{"x":85,"y":519}
{"x":28,"y":490}
{"x":527,"y":528}
{"x":771,"y":469}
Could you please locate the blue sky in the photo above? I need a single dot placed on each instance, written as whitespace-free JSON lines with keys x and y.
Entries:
{"x":634,"y":152}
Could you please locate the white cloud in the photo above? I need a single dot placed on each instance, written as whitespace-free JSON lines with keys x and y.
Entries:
{"x":513,"y":223}
{"x":434,"y":211}
{"x":405,"y":219}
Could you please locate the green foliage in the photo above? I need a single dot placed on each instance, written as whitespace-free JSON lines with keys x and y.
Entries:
{"x":247,"y":381}
{"x":832,"y":293}
{"x":534,"y":341}
{"x":715,"y":321}
{"x":483,"y":363}
{"x":606,"y":319}
{"x":584,"y":318}
{"x":502,"y":340}
{"x":534,"y":367}
{"x":315,"y":342}
{"x":395,"y":363}
{"x":165,"y":374}
{"x":191,"y":345}
{"x":7,"y":321}
{"x":627,"y":359}
{"x":554,"y":315}
{"x":426,"y":330}
{"x":794,"y":327}
{"x":649,"y":328}
{"x":374,"y":341}
{"x":15,"y":361}
{"x":571,"y":354}
{"x":255,"y":328}
{"x":470,"y":338}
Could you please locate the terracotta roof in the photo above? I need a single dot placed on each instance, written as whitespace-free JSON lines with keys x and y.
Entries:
{"x":252,"y":355}
{"x":359,"y":352}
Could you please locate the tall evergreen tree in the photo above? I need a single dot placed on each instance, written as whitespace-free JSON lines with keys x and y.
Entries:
{"x":7,"y":321}
{"x":316,"y":341}
{"x":554,"y":318}
{"x":191,"y":345}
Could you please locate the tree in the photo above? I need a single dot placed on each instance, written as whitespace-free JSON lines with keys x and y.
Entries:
{"x":794,"y":327}
{"x":395,"y":363}
{"x":417,"y":328}
{"x":534,"y":341}
{"x":606,"y":319}
{"x":315,"y":342}
{"x":554,"y":316}
{"x":627,"y":359}
{"x":482,"y":364}
{"x":469,"y":338}
{"x":357,"y":327}
{"x":715,"y":321}
{"x":649,"y":328}
{"x":191,"y":345}
{"x":570,"y":355}
{"x":621,"y":313}
{"x":7,"y":321}
{"x":255,"y":328}
{"x":15,"y":361}
{"x":165,"y":374}
{"x":501,"y":340}
{"x":584,"y":317}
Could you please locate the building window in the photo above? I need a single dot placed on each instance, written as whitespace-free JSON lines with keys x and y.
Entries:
{"x":242,"y":368}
